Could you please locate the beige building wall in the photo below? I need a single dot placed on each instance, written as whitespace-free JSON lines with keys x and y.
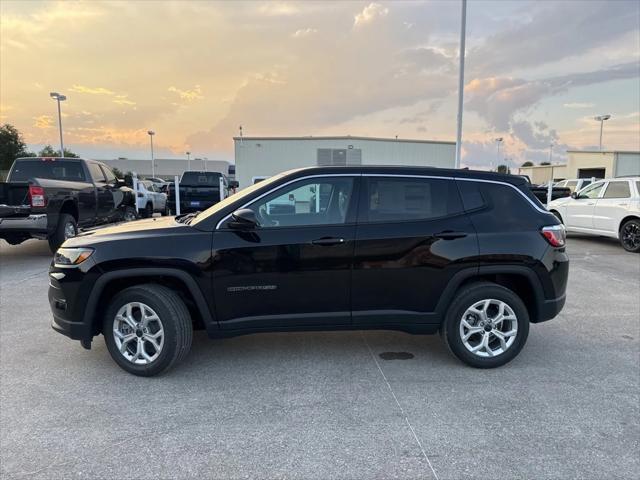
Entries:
{"x":584,"y":160}
{"x":544,"y":173}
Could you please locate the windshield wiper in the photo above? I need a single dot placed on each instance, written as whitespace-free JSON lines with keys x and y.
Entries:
{"x":187,"y":217}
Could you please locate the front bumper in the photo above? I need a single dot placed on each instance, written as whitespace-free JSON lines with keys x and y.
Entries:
{"x":33,"y":224}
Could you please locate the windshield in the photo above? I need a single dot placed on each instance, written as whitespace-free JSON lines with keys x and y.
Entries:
{"x":234,"y":198}
{"x":52,"y":169}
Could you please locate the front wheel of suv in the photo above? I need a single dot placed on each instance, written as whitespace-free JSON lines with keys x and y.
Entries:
{"x":486,"y":325}
{"x":147,"y":329}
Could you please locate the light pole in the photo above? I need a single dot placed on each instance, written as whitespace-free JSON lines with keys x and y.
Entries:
{"x":601,"y":119}
{"x":204,"y":161}
{"x":463,"y":28}
{"x":188,"y":160}
{"x":59,"y":98}
{"x":550,"y":153}
{"x":153,"y":162}
{"x":498,"y":142}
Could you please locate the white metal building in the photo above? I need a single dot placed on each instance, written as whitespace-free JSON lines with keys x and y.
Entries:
{"x":260,"y":157}
{"x":167,"y":168}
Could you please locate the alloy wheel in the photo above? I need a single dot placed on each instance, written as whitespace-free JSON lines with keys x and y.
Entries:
{"x":138,"y":333}
{"x":631,"y":236}
{"x":69,"y":230}
{"x":488,"y":328}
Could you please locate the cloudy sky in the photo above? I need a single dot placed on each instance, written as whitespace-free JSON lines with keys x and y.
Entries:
{"x":536,"y":73}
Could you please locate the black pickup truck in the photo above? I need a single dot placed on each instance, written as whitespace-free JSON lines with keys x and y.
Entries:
{"x":50,"y":198}
{"x":541,"y":192}
{"x":199,"y":191}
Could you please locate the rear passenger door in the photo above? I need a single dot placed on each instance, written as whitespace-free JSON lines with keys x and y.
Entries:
{"x":412,"y":236}
{"x":613,"y":205}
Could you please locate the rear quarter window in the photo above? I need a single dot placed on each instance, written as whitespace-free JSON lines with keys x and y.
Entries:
{"x":499,"y":207}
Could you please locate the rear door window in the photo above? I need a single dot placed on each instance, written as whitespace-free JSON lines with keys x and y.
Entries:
{"x":407,"y":198}
{"x":617,"y":190}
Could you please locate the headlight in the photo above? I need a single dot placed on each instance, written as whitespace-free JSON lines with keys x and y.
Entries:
{"x":68,"y":257}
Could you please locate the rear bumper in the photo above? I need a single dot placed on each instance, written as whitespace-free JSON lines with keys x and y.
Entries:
{"x":33,"y":224}
{"x":551,"y":308}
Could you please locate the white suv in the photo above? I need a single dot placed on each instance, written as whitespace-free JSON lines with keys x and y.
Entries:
{"x":609,"y":207}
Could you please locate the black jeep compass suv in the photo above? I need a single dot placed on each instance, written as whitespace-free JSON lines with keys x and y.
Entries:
{"x":472,"y":255}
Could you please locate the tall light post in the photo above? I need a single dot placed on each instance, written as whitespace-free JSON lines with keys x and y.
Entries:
{"x":463,"y":29}
{"x":601,"y":119}
{"x":550,"y":152}
{"x":188,"y":160}
{"x":204,"y":161}
{"x":498,"y":143}
{"x":153,"y":162}
{"x":59,"y":98}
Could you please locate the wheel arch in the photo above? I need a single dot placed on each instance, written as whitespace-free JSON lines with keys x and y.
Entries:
{"x":521,"y":280}
{"x":70,"y":206}
{"x":625,"y":220}
{"x":110,"y":283}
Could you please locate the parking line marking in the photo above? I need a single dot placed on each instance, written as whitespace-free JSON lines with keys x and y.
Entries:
{"x":406,"y":419}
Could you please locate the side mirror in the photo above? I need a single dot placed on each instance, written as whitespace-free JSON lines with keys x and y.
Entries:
{"x":243,"y":219}
{"x":233,"y":184}
{"x":574,"y":195}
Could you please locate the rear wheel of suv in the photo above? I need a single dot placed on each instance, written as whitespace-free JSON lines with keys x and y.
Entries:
{"x":630,"y":235}
{"x":147,"y":329}
{"x":66,"y":228}
{"x":486,"y":325}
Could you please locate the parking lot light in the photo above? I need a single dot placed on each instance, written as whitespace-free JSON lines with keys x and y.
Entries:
{"x":153,"y":162}
{"x":601,"y":119}
{"x":59,"y":98}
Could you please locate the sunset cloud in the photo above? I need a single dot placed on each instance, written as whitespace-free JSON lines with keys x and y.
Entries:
{"x":370,"y":13}
{"x":91,"y":90}
{"x":189,"y":95}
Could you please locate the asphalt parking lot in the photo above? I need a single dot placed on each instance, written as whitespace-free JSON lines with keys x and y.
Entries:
{"x":328,"y":405}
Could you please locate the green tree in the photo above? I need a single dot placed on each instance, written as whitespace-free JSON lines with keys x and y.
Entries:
{"x":545,"y":163}
{"x":49,"y":151}
{"x":12,"y":146}
{"x":503,"y":169}
{"x":527,"y":164}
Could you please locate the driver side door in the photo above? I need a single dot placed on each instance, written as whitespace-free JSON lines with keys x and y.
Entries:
{"x":294,"y":269}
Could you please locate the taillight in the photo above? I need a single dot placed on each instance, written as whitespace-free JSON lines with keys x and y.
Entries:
{"x":36,"y":194}
{"x":555,"y":235}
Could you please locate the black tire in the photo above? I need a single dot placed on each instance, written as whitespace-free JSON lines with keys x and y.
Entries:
{"x":129,"y":214}
{"x":176,"y":322}
{"x":464,"y":299}
{"x":558,"y":216}
{"x":61,"y":233}
{"x":147,"y":212}
{"x":15,"y":239}
{"x":630,"y":235}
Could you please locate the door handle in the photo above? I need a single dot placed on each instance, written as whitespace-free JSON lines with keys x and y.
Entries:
{"x":327,"y":241}
{"x":449,"y":235}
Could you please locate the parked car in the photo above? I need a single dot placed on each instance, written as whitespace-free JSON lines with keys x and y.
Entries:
{"x":541,"y":192}
{"x":50,"y":198}
{"x":573,"y":184}
{"x":159,"y":182}
{"x":199,"y":191}
{"x":472,"y":255}
{"x":150,"y":199}
{"x":610,"y":208}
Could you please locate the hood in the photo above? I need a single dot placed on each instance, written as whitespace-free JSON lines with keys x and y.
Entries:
{"x":150,"y":227}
